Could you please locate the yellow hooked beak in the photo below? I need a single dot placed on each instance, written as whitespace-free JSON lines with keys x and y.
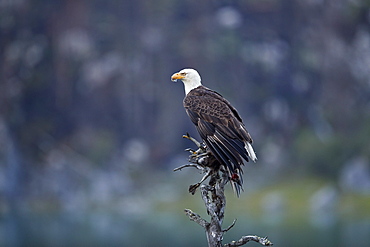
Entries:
{"x":177,"y":76}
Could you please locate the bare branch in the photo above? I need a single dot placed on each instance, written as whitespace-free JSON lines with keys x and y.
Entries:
{"x":188,"y":165}
{"x":196,"y":218}
{"x":245,"y":239}
{"x":230,"y":226}
{"x":194,"y":187}
{"x":213,"y":197}
{"x":199,"y":144}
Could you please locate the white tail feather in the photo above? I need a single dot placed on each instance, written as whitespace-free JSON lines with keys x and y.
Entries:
{"x":250,"y":151}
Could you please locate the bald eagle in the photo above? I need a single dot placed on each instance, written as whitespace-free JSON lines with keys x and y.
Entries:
{"x":218,"y":124}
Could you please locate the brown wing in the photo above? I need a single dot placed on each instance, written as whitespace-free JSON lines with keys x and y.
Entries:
{"x":220,"y":127}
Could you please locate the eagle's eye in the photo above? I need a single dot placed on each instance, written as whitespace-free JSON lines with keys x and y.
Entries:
{"x":183,"y":73}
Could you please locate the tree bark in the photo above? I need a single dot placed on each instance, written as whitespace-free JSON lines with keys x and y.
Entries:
{"x":214,"y":199}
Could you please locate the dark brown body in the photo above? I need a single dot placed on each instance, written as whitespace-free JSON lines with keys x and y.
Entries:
{"x":221,"y":129}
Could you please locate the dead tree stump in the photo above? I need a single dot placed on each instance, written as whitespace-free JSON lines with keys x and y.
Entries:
{"x":213,"y":197}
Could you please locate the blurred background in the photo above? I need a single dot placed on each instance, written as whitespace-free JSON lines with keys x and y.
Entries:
{"x":91,"y":125}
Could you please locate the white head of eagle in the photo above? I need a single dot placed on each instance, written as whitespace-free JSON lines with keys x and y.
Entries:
{"x":219,"y":125}
{"x":190,"y":78}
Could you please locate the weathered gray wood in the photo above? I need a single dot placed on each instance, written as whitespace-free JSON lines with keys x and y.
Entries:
{"x":214,"y":199}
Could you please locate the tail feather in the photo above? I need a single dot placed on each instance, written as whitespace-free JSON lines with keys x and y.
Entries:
{"x":250,"y":151}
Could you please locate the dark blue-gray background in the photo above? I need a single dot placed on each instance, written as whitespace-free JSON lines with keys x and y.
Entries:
{"x":91,"y":125}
